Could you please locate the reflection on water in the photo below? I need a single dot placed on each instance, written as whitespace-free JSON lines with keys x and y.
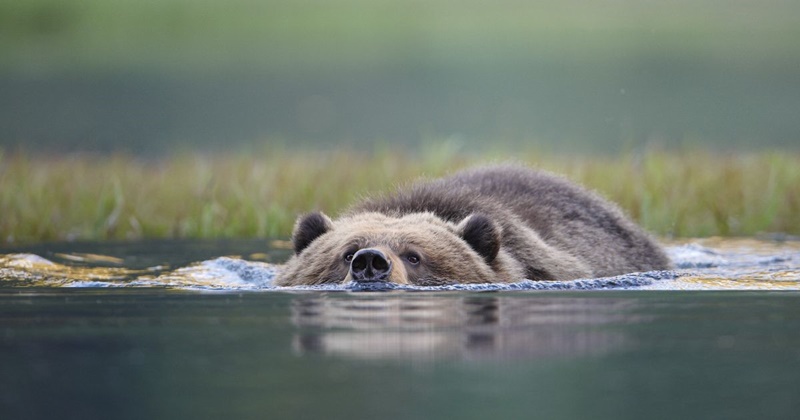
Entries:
{"x":161,"y":331}
{"x":156,"y":352}
{"x":20,"y":270}
{"x":735,"y":264}
{"x":431,"y":327}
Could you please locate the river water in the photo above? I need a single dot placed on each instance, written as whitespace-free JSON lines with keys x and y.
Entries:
{"x":196,"y":330}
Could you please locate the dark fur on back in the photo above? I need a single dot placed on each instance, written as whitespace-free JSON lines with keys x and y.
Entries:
{"x":525,"y":203}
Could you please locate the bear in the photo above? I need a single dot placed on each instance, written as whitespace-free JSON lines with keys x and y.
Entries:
{"x":494,"y":224}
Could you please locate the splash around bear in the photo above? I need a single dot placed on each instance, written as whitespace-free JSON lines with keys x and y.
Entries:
{"x":485,"y":225}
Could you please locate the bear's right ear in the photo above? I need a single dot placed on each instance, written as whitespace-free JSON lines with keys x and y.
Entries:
{"x":482,"y":235}
{"x":309,"y":227}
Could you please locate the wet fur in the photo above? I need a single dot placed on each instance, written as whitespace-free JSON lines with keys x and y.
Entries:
{"x":491,"y":224}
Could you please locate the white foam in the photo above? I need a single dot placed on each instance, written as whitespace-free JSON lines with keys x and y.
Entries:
{"x":695,"y":256}
{"x":223,"y":273}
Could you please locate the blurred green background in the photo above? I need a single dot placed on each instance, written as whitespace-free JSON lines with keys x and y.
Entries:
{"x":154,"y":76}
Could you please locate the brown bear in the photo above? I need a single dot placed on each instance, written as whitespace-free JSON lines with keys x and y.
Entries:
{"x":493,"y":224}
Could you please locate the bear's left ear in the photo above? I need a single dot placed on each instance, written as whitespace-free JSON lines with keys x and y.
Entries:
{"x":309,"y":227}
{"x":482,"y":235}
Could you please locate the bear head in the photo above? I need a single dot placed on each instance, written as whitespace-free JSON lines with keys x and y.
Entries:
{"x":417,"y":248}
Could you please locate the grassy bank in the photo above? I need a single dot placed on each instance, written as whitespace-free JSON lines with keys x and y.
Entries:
{"x":259,"y":195}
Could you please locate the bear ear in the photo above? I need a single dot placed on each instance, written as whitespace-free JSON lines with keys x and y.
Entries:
{"x":482,"y":235}
{"x":309,"y":227}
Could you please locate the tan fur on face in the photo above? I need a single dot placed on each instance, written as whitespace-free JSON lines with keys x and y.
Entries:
{"x":445,"y":256}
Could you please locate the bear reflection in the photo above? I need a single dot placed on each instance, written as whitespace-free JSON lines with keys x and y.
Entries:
{"x":425,"y":327}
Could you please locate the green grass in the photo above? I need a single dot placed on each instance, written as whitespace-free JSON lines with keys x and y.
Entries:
{"x":88,"y":197}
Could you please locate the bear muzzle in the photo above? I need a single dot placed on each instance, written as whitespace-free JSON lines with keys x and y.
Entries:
{"x":370,"y":264}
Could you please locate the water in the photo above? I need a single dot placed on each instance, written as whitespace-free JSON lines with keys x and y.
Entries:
{"x":176,"y":330}
{"x":709,"y":264}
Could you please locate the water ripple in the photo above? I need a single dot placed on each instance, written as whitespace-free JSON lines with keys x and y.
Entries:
{"x":708,"y":264}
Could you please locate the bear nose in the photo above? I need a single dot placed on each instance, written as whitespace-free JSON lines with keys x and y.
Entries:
{"x":370,"y":265}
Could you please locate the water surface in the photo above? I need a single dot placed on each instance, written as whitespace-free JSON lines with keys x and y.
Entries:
{"x":252,"y":265}
{"x":196,"y":330}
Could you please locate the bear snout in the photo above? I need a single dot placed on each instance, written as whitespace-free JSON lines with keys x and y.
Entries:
{"x":370,"y":264}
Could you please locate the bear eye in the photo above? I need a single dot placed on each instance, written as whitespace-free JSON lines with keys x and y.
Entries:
{"x":348,"y":257}
{"x":412,"y":258}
